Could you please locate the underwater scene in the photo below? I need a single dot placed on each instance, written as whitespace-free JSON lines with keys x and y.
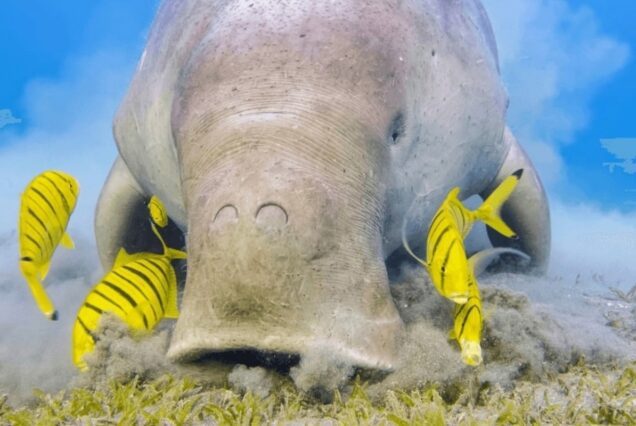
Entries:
{"x":401,"y":212}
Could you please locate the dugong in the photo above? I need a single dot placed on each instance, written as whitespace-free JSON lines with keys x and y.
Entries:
{"x":289,"y":141}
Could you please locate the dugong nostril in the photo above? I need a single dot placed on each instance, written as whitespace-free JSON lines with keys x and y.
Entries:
{"x":226,"y":214}
{"x":271,"y":216}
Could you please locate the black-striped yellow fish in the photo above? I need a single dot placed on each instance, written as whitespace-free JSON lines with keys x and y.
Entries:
{"x":141,"y":290}
{"x":45,"y":208}
{"x":446,"y":260}
{"x":468,"y":317}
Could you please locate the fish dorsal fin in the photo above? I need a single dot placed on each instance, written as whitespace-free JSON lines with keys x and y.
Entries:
{"x":453,"y":193}
{"x":67,"y":241}
{"x":452,"y":203}
{"x":479,"y":261}
{"x":468,"y":219}
{"x":123,"y":257}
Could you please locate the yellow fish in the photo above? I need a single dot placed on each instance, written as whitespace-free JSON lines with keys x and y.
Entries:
{"x":141,"y":290}
{"x":45,"y":208}
{"x":468,"y":324}
{"x":158,"y":212}
{"x":468,"y":316}
{"x":446,"y":260}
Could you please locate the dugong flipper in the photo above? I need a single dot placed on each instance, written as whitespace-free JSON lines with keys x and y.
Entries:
{"x":120,"y":219}
{"x":526,"y":211}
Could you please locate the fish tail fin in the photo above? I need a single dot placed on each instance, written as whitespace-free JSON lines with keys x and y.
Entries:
{"x":67,"y":241}
{"x":42,"y":299}
{"x":489,"y":211}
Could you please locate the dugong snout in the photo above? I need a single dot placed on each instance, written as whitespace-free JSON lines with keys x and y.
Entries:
{"x":275,"y":267}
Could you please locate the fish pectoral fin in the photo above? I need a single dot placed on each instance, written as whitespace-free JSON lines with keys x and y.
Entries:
{"x":67,"y":241}
{"x":44,"y":270}
{"x":451,"y":334}
{"x":176,"y":254}
{"x":479,"y":261}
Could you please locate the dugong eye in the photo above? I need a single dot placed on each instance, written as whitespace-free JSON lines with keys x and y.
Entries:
{"x":396,"y":129}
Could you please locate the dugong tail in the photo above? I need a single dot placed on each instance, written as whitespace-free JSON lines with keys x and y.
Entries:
{"x":121,"y":221}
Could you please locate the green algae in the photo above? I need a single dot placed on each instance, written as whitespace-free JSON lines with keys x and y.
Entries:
{"x":583,"y":395}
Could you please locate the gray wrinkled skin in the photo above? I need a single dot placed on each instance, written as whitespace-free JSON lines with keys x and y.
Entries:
{"x":289,"y":141}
